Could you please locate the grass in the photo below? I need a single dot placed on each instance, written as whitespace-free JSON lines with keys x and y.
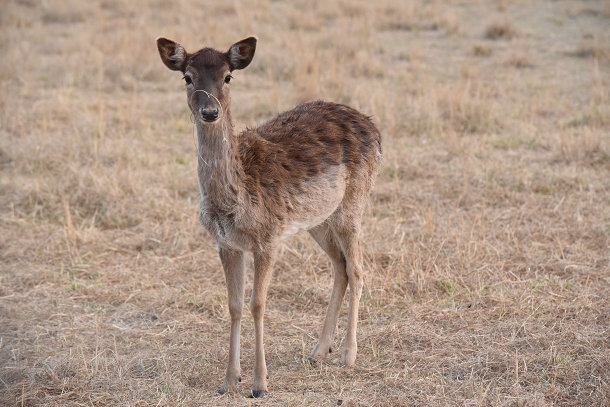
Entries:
{"x":486,"y":237}
{"x":500,"y":29}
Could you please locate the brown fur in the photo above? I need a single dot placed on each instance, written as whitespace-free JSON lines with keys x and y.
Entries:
{"x":310,"y":168}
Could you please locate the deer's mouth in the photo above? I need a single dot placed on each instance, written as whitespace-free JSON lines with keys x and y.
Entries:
{"x":210,"y":121}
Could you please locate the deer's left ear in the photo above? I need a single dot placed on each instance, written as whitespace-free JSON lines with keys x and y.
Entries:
{"x":241,"y":53}
{"x":172,"y":54}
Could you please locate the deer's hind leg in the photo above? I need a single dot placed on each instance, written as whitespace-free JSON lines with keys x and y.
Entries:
{"x":324,"y":236}
{"x":346,"y":230}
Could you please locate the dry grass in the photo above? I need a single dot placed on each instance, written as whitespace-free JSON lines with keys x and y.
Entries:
{"x":521,"y":60}
{"x":589,"y":49}
{"x":500,"y":29}
{"x":481,"y":51}
{"x":487,"y":236}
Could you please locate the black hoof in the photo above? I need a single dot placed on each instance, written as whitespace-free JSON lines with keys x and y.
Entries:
{"x":239,"y":379}
{"x":330,"y":350}
{"x":258,"y":394}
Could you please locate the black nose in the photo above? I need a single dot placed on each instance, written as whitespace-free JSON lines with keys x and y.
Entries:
{"x":209,"y":115}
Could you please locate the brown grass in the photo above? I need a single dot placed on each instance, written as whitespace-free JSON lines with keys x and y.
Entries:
{"x":500,"y":29}
{"x":481,"y":51}
{"x":520,"y":59}
{"x":487,"y":237}
{"x":589,"y":49}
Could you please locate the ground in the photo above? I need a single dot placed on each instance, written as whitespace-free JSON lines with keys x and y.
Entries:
{"x":486,"y":239}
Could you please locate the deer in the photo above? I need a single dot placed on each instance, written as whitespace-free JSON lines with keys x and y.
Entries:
{"x":310,"y":168}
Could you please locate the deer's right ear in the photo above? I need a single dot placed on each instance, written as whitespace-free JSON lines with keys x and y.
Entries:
{"x":172,"y":54}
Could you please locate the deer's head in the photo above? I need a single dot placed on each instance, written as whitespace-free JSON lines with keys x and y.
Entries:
{"x":207,"y":74}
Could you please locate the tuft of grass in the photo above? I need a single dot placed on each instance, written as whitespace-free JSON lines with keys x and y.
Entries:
{"x":586,"y":147}
{"x":520,"y":60}
{"x":500,"y":30}
{"x":481,"y":51}
{"x":590,"y":50}
{"x":414,"y":17}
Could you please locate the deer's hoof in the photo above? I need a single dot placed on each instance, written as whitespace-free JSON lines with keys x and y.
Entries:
{"x":258,"y":394}
{"x":349,"y":357}
{"x":229,"y":386}
{"x":320,"y":352}
{"x":311,"y":361}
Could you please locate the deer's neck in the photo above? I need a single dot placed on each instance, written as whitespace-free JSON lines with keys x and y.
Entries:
{"x":218,"y":168}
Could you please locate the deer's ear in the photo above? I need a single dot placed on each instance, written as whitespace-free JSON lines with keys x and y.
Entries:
{"x":241,"y":53}
{"x":172,"y":54}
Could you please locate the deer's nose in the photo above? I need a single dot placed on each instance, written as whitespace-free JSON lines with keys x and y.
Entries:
{"x":209,"y":114}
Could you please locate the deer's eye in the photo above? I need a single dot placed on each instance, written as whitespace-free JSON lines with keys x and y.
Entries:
{"x":228,"y":78}
{"x":187,"y":79}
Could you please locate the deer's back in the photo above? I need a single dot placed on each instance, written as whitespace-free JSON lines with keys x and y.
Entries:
{"x":306,"y":140}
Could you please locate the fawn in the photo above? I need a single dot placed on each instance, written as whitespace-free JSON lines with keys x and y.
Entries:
{"x":310,"y":168}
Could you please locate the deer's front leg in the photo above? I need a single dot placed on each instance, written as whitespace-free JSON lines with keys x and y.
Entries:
{"x":233,"y":265}
{"x":263,"y":265}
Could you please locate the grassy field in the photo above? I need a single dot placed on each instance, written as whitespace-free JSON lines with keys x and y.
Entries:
{"x":486,"y":239}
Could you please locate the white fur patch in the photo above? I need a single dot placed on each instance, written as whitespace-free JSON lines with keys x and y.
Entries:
{"x":178,"y":55}
{"x":307,"y":224}
{"x":234,"y":56}
{"x":321,"y":198}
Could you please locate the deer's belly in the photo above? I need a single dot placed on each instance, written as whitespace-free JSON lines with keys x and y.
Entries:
{"x":320,"y":198}
{"x":306,"y":224}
